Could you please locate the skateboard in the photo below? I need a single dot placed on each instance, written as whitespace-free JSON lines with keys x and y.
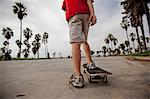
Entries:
{"x":97,"y":74}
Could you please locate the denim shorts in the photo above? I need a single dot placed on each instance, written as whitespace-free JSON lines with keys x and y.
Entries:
{"x":78,"y":28}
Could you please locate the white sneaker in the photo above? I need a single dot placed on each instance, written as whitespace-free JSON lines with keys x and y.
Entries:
{"x":76,"y":81}
{"x":91,"y":66}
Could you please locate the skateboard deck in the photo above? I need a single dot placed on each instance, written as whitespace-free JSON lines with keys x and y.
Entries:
{"x":96,"y":74}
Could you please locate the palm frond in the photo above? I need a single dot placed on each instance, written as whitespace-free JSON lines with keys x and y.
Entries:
{"x":15,"y":9}
{"x":6,"y":43}
{"x":20,"y":10}
{"x":18,"y":4}
{"x":24,"y":14}
{"x":3,"y":50}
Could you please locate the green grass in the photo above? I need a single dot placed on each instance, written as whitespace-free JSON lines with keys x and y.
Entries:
{"x":140,"y":54}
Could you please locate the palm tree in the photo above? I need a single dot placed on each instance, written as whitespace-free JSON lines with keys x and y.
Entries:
{"x":3,"y":51}
{"x":125,"y":24}
{"x":145,"y":10}
{"x":98,"y":52}
{"x":128,"y":6}
{"x":27,"y":34}
{"x":127,"y":43}
{"x":44,"y":40}
{"x":20,"y":10}
{"x":19,"y":45}
{"x":142,"y":45}
{"x":107,"y":42}
{"x":104,"y":50}
{"x":117,"y":51}
{"x":135,"y":9}
{"x":141,"y":38}
{"x":140,"y":10}
{"x":147,"y":40}
{"x":122,"y":46}
{"x":34,"y":49}
{"x":115,"y":41}
{"x":38,"y":44}
{"x":109,"y":50}
{"x":132,"y":35}
{"x":141,"y":6}
{"x":6,"y":44}
{"x":7,"y":33}
{"x":110,"y":37}
{"x":143,"y":34}
{"x":134,"y":23}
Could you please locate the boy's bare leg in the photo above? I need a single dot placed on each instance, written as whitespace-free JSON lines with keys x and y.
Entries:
{"x":87,"y":52}
{"x":76,"y":58}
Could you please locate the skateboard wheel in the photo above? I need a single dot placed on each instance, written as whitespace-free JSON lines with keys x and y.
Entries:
{"x":105,"y":79}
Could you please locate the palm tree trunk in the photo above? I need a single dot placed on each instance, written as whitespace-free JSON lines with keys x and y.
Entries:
{"x":115,"y":47}
{"x":133,"y":46}
{"x":20,"y":38}
{"x":143,"y":34}
{"x":111,"y":48}
{"x":148,"y":20}
{"x":112,"y":45}
{"x":45,"y":51}
{"x":147,"y":14}
{"x":138,"y":38}
{"x":38,"y":54}
{"x":128,"y":40}
{"x":107,"y":45}
{"x":8,"y":45}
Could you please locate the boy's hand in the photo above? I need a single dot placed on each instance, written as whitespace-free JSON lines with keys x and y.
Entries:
{"x":92,"y":19}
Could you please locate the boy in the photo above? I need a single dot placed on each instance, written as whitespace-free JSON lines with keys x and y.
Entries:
{"x":80,"y":15}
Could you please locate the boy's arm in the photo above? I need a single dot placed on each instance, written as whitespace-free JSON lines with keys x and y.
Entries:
{"x":92,"y":17}
{"x":64,"y":5}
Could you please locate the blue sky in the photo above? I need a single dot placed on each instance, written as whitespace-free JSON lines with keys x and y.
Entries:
{"x":47,"y":16}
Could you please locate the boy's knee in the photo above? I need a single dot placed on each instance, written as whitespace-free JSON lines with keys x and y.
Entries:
{"x":84,"y":43}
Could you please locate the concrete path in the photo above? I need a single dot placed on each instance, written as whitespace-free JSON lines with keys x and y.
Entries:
{"x":48,"y":79}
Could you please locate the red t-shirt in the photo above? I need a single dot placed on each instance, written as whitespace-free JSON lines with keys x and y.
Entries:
{"x":73,"y":7}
